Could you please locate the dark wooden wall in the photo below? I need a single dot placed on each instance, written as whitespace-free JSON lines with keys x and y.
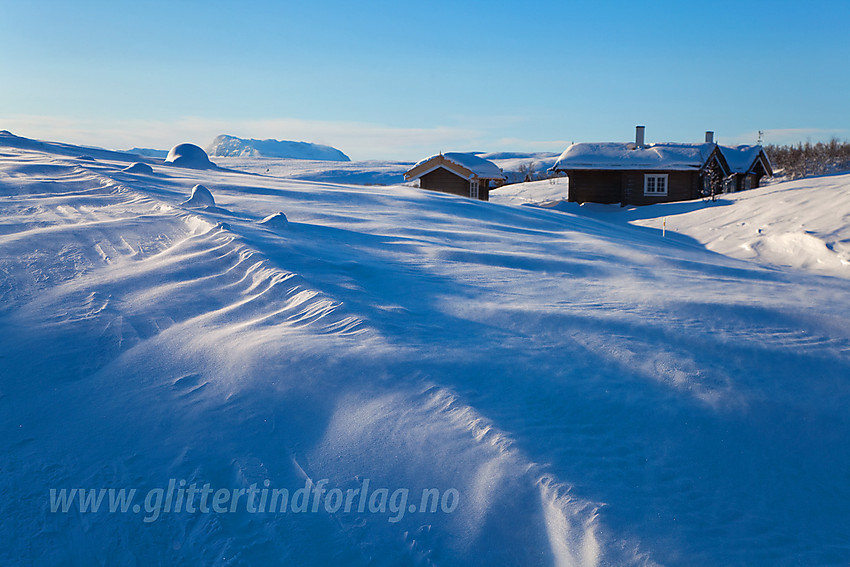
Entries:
{"x":595,"y":186}
{"x":447,"y":182}
{"x":681,"y":186}
{"x":598,"y":186}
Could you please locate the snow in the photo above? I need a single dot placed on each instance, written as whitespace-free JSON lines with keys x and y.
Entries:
{"x":189,"y":155}
{"x":613,"y":155}
{"x":355,"y":173}
{"x":740,"y":158}
{"x":374,"y":172}
{"x":478,"y":166}
{"x":201,"y":197}
{"x":543,"y":191}
{"x":515,"y":165}
{"x":139,"y":167}
{"x":231,"y":146}
{"x":277,"y":220}
{"x":596,"y":393}
{"x":802,"y":224}
{"x":148,"y":152}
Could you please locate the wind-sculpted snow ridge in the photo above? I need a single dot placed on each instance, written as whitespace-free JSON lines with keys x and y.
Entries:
{"x":571,"y":390}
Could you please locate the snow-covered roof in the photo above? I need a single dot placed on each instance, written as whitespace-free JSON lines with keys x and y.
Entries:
{"x":469,"y":165}
{"x":614,"y":155}
{"x":740,"y":158}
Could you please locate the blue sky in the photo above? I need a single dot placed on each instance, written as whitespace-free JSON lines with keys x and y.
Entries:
{"x":402,"y":80}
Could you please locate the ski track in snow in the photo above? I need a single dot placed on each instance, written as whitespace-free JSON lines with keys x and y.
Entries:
{"x":596,"y":396}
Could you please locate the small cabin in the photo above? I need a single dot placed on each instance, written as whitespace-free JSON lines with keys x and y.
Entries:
{"x":748,"y":165}
{"x":641,"y":174}
{"x":457,"y":173}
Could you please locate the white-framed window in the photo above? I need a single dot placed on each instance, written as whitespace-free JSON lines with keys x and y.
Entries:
{"x":473,"y":188}
{"x":655,"y":184}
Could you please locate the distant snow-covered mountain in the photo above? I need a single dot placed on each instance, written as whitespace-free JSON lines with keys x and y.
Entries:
{"x":231,"y":146}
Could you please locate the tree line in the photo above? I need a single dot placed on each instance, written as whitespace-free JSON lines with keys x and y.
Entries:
{"x":806,"y":160}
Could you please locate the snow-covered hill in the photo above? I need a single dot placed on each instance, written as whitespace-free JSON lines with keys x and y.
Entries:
{"x":577,"y":390}
{"x":231,"y":146}
{"x":803,"y":224}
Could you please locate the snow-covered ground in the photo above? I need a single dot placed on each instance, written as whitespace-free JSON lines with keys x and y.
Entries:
{"x":354,"y":172}
{"x":533,"y":192}
{"x":374,"y":172}
{"x":802,"y":224}
{"x":594,"y":393}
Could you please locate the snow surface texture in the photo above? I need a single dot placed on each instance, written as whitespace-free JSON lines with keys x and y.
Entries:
{"x":803,"y":224}
{"x":532,"y":192}
{"x":231,"y":146}
{"x":190,"y":156}
{"x":597,"y":394}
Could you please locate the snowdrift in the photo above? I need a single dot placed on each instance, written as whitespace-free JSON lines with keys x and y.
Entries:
{"x":190,"y":156}
{"x":577,"y":390}
{"x":803,"y":224}
{"x":139,"y":167}
{"x":200,"y":197}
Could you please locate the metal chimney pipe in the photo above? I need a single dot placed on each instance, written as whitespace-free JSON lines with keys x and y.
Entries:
{"x":709,"y":137}
{"x":639,"y":132}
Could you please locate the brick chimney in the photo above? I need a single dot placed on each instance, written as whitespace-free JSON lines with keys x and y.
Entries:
{"x":709,"y":137}
{"x":639,"y":136}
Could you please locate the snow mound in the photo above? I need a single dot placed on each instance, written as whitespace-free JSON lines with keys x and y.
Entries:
{"x":138,"y":167}
{"x":231,"y":146}
{"x":201,"y":197}
{"x":277,"y":220}
{"x":189,"y":155}
{"x":797,"y":250}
